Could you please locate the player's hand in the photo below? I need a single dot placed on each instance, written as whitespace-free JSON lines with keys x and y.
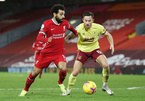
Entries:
{"x":69,"y":36}
{"x":36,"y":51}
{"x":66,"y":39}
{"x":112,"y":49}
{"x":49,"y":39}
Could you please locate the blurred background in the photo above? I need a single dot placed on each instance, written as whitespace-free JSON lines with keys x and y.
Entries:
{"x":20,"y":21}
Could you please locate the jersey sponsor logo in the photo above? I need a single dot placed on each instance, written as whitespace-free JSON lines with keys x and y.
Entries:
{"x":95,"y":28}
{"x":58,"y":36}
{"x":89,"y":39}
{"x":39,"y":48}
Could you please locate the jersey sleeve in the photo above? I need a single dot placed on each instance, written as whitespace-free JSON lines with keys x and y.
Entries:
{"x":78,"y":29}
{"x":102,"y":29}
{"x":42,"y":33}
{"x":71,"y":28}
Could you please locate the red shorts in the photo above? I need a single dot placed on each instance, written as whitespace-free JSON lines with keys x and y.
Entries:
{"x":36,"y":56}
{"x":83,"y":56}
{"x":44,"y":60}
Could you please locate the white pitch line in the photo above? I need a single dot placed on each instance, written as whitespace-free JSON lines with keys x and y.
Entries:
{"x":136,"y":88}
{"x":130,"y":88}
{"x":34,"y":89}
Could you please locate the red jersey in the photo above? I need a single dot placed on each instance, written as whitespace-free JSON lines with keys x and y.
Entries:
{"x":38,"y":46}
{"x":57,"y":31}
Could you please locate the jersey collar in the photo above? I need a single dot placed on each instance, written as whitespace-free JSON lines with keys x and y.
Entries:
{"x":55,"y":22}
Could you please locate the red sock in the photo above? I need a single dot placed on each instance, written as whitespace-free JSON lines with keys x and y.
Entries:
{"x":29,"y":81}
{"x":62,"y":75}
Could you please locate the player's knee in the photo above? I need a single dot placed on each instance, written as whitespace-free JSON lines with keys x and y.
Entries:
{"x":75,"y":73}
{"x":62,"y":68}
{"x":34,"y":73}
{"x":105,"y":66}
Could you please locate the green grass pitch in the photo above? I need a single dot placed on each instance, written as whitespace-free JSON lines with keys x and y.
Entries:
{"x":125,"y":87}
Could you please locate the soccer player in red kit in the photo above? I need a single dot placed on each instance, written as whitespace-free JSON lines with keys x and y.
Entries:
{"x":37,"y":47}
{"x":54,"y":30}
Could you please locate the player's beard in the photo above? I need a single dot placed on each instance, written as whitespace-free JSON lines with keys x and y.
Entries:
{"x":88,"y":26}
{"x":58,"y":20}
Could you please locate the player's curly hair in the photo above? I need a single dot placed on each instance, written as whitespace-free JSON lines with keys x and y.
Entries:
{"x":88,"y":14}
{"x":57,"y":7}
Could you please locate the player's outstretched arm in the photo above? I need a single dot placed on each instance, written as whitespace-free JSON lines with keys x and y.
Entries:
{"x":71,"y":34}
{"x":110,"y":39}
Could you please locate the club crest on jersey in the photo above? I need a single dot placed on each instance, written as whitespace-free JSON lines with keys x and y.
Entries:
{"x":63,"y":28}
{"x":79,"y":57}
{"x":98,"y":51}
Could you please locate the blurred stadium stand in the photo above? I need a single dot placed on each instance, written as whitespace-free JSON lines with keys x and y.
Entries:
{"x":122,"y":20}
{"x":18,"y":25}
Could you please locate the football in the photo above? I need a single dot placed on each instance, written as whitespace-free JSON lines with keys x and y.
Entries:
{"x":89,"y":87}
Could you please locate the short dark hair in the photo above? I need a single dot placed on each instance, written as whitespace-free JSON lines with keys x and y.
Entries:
{"x":56,"y":8}
{"x":88,"y":14}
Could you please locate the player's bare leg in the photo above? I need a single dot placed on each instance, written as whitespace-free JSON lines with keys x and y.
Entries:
{"x":30,"y":80}
{"x":105,"y":73}
{"x":62,"y":76}
{"x":72,"y":77}
{"x":40,"y":74}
